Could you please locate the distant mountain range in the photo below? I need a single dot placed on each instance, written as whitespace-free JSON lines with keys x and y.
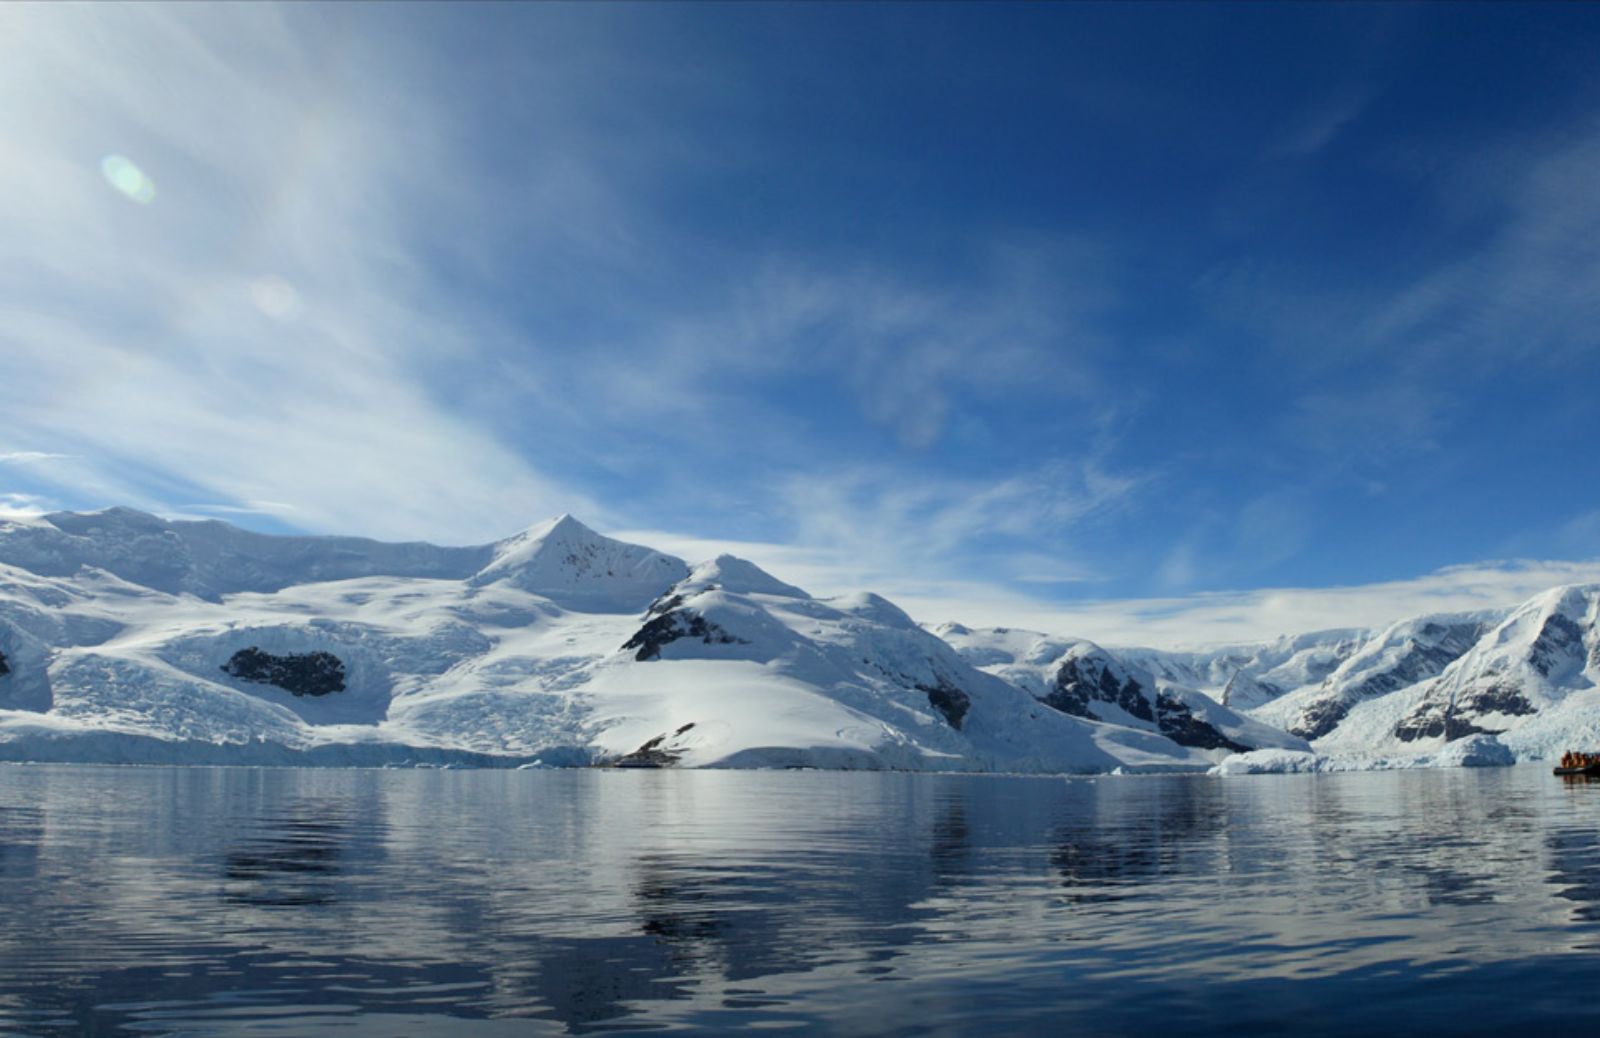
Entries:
{"x":128,"y":638}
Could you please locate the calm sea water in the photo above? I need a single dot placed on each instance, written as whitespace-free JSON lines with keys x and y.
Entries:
{"x":193,"y":901}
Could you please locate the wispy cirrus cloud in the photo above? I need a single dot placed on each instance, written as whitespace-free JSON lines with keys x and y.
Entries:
{"x":1241,"y":616}
{"x":1000,"y":526}
{"x":30,"y":457}
{"x":311,"y":305}
{"x":927,"y":541}
{"x":257,"y":325}
{"x":1197,"y":619}
{"x":22,"y":506}
{"x":420,"y":271}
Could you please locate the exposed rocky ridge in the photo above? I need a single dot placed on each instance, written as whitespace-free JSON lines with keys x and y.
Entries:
{"x":668,"y":627}
{"x":1082,"y":680}
{"x":1179,"y":723}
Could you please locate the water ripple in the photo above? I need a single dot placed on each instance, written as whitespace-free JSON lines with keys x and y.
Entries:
{"x":289,"y":902}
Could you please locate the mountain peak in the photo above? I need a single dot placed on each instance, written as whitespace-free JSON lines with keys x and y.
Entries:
{"x":565,"y":560}
{"x":741,"y":576}
{"x":563,"y":525}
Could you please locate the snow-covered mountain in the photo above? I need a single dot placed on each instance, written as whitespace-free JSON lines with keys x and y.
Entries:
{"x":1525,"y":677}
{"x":125,"y":637}
{"x":1530,"y":679}
{"x":1081,"y":679}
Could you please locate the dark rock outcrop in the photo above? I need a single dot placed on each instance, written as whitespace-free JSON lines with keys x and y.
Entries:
{"x":948,"y":700}
{"x":5,"y":668}
{"x":306,"y":674}
{"x":1456,"y":720}
{"x":1560,"y":637}
{"x":1068,"y":696}
{"x":1178,"y":723}
{"x":665,"y":604}
{"x":673,"y":625}
{"x":1432,"y":723}
{"x":1082,"y":679}
{"x":651,"y":754}
{"x":1320,"y":717}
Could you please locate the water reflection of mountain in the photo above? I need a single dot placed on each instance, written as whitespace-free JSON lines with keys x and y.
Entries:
{"x":21,"y":828}
{"x":288,"y":860}
{"x":1113,"y":839}
{"x":584,"y":901}
{"x":748,"y":913}
{"x":1574,"y":855}
{"x":584,"y":982}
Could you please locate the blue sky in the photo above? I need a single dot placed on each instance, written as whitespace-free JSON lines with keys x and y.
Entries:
{"x":1009,"y":311}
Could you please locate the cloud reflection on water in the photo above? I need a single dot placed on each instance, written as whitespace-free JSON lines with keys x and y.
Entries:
{"x":583,"y":900}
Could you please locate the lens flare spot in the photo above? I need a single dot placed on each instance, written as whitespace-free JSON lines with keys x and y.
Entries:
{"x":128,"y":179}
{"x":276,"y":298}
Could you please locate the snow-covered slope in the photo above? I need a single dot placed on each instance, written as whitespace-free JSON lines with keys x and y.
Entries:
{"x":129,"y":638}
{"x":566,"y":562}
{"x":209,"y":559}
{"x":1081,"y":679}
{"x":1532,"y":677}
{"x":125,"y":637}
{"x":1395,"y":658}
{"x":1247,"y":676}
{"x":1523,"y":679}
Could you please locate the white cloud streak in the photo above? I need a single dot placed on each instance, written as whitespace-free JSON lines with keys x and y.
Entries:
{"x":23,"y":506}
{"x":1243,"y":616}
{"x":29,"y":457}
{"x":1180,"y":621}
{"x":256,"y":329}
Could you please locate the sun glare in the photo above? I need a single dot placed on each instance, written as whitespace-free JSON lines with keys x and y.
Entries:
{"x":129,"y":179}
